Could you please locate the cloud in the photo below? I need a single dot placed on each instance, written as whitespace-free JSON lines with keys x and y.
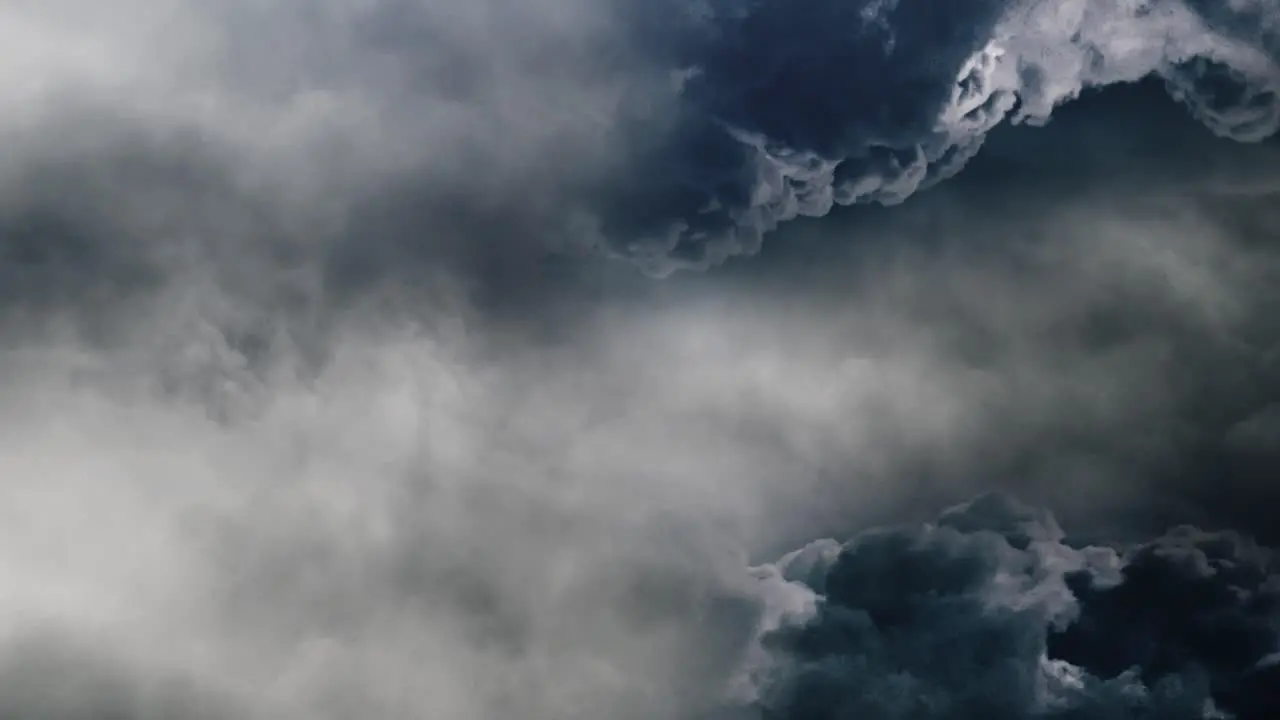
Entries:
{"x":673,"y":134}
{"x":791,"y":109}
{"x":471,"y":514}
{"x":50,"y":676}
{"x":306,"y":405}
{"x":992,"y":610}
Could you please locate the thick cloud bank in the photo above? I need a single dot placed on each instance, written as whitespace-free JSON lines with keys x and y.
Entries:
{"x":789,"y":107}
{"x":993,"y":612}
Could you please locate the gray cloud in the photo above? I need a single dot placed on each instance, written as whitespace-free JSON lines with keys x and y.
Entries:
{"x":460,"y":511}
{"x":312,"y":402}
{"x":49,"y":676}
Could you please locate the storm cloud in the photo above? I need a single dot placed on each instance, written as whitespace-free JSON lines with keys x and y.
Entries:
{"x":791,"y":108}
{"x":992,"y":610}
{"x":334,"y":381}
{"x":672,"y":134}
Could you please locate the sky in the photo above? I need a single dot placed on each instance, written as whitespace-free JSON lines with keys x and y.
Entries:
{"x":623,"y":359}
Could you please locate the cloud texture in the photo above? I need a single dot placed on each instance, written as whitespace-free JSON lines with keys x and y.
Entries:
{"x":323,"y":393}
{"x":790,"y":108}
{"x":675,"y":134}
{"x":993,"y":611}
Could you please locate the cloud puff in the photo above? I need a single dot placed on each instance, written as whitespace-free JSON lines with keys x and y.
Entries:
{"x":992,"y":611}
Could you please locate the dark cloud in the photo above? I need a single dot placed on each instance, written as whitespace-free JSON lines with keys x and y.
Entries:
{"x":993,"y":611}
{"x":789,"y":109}
{"x":322,"y":387}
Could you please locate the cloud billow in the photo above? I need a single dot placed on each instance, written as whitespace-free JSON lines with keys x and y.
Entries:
{"x":992,"y":611}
